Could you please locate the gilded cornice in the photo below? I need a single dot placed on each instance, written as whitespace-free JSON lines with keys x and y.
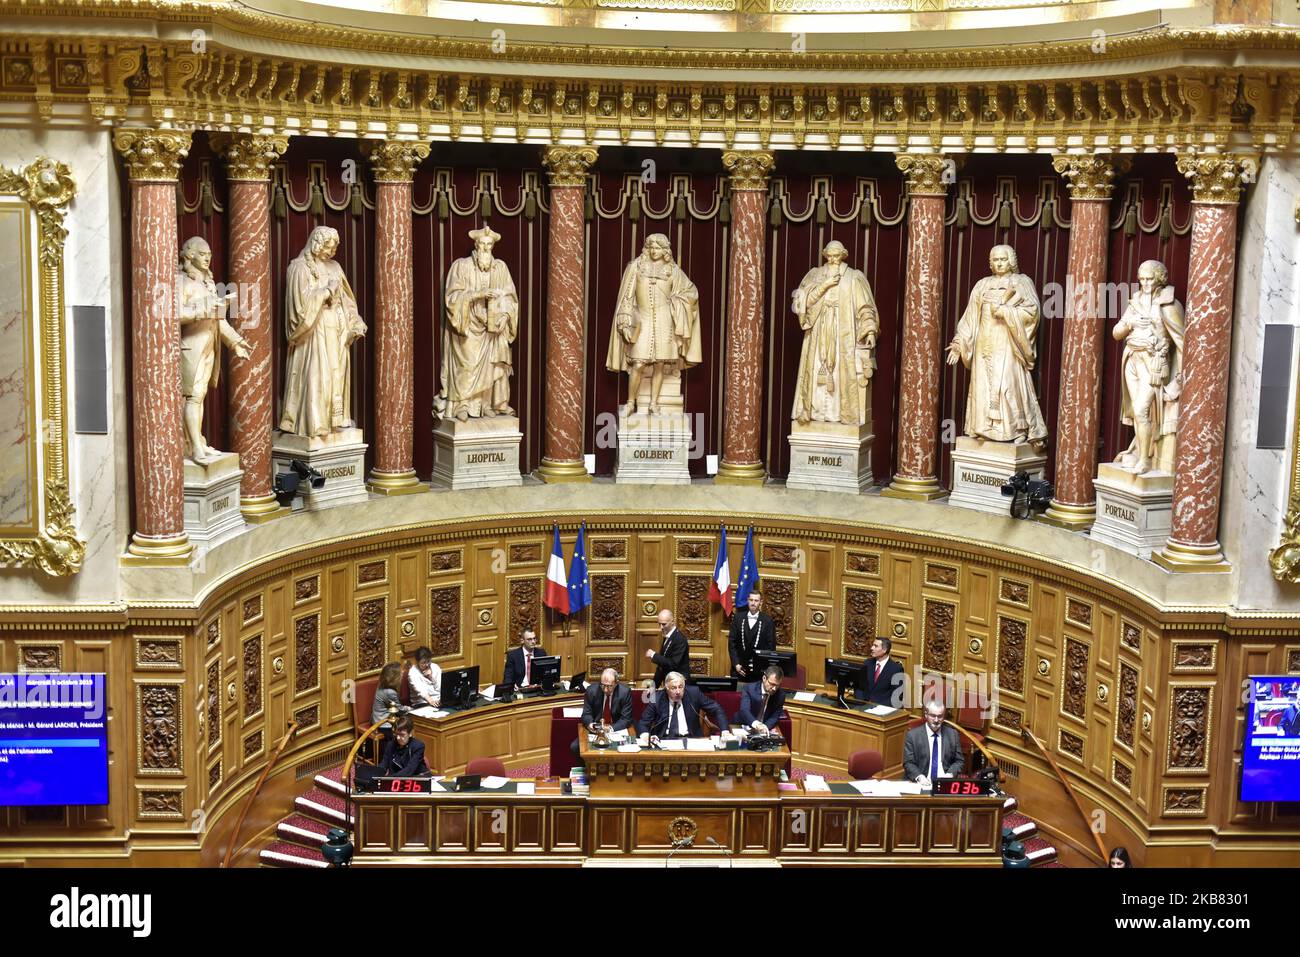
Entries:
{"x":749,"y":169}
{"x":153,"y":155}
{"x":1089,"y":177}
{"x":1218,"y":177}
{"x":250,"y":158}
{"x":394,"y":161}
{"x":928,"y":174}
{"x":568,"y":165}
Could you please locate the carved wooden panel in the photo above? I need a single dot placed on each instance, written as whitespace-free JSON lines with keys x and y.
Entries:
{"x":942,"y":575}
{"x":525,"y":610}
{"x":372,"y":634}
{"x":40,"y":658}
{"x":861,"y":563}
{"x":598,"y":663}
{"x":448,"y":560}
{"x":214,"y":632}
{"x":1122,"y":774}
{"x":214,"y":776}
{"x":159,"y":717}
{"x":253,"y":745}
{"x":372,"y":572}
{"x":860,"y":606}
{"x":152,"y":652}
{"x":1190,"y":713}
{"x":779,"y":602}
{"x":308,"y":717}
{"x":1195,"y":656}
{"x":1131,"y":636}
{"x":252,"y":609}
{"x":305,"y":589}
{"x":1184,"y":801}
{"x":525,"y":553}
{"x":778,"y":554}
{"x":306,"y":666}
{"x":444,"y":620}
{"x":609,"y":549}
{"x":214,"y":703}
{"x":1013,"y":640}
{"x":1071,"y":744}
{"x":1078,"y":612}
{"x":252,"y":660}
{"x":694,"y":550}
{"x":692,"y":601}
{"x":1016,"y":592}
{"x":940,"y":636}
{"x":699,"y":666}
{"x":1074,"y":679}
{"x":1009,"y":718}
{"x":1293,"y":661}
{"x":161,"y":804}
{"x":1127,"y":705}
{"x":608,"y":607}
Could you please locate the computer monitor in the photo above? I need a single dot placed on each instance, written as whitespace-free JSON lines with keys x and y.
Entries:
{"x":546,"y":672}
{"x":785,"y":660}
{"x":709,"y":684}
{"x":844,"y":675}
{"x":578,"y":682}
{"x":503,"y":691}
{"x":459,"y":687}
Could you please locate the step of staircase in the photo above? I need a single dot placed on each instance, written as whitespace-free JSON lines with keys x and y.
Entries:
{"x":283,"y":854}
{"x":1022,"y":827}
{"x":331,"y":781}
{"x":1040,"y":852}
{"x":322,"y":806}
{"x":304,"y":831}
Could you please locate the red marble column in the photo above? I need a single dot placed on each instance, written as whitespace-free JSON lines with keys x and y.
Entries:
{"x":153,"y":159}
{"x":742,"y":402}
{"x":918,"y":401}
{"x":562,"y":459}
{"x":1198,"y":464}
{"x":248,"y":169}
{"x":1089,"y":179}
{"x":394,"y":163}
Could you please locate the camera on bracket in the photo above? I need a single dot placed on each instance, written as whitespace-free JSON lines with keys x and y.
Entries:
{"x":1028,"y":495}
{"x":288,"y":484}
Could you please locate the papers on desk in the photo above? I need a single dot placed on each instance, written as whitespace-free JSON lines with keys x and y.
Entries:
{"x":573,"y":712}
{"x":881,"y":710}
{"x":429,"y":711}
{"x":434,"y":785}
{"x":628,"y":748}
{"x":699,"y":744}
{"x":526,"y":787}
{"x":804,"y":696}
{"x":493,"y":782}
{"x":489,"y":692}
{"x":618,"y":735}
{"x":672,"y":744}
{"x":882,"y":788}
{"x":815,"y":782}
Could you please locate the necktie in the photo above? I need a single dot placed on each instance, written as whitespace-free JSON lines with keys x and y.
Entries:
{"x":672,"y":720}
{"x":528,"y":668}
{"x":762,"y":713}
{"x":609,"y":712}
{"x":934,"y":756}
{"x":880,"y":666}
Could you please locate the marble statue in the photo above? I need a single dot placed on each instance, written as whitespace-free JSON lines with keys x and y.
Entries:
{"x":321,"y":322}
{"x":1152,"y":331}
{"x":202,"y":315}
{"x":656,"y":322}
{"x":838,"y":315}
{"x":482,"y":322}
{"x":996,"y":340}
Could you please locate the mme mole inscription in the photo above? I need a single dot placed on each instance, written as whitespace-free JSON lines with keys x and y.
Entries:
{"x":830,"y":461}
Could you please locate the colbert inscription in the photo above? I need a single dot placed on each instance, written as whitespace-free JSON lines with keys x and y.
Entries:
{"x":473,"y":458}
{"x":1119,"y":511}
{"x":652,"y":453}
{"x":973,"y":478}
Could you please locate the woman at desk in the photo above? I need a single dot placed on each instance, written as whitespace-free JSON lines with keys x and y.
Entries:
{"x":426,"y":680}
{"x":387,"y":697}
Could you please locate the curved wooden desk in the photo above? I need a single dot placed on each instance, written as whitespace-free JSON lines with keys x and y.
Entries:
{"x":518,"y":732}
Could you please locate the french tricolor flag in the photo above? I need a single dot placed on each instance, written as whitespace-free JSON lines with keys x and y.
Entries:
{"x":720,"y":587}
{"x":557,"y":583}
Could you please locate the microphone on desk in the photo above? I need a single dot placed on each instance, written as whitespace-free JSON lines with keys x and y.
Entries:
{"x":713,"y":841}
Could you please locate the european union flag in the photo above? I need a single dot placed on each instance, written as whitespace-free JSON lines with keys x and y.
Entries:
{"x":748,"y":579}
{"x":579,"y":583}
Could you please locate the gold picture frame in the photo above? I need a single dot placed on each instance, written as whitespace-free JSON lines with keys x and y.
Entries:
{"x":33,"y":202}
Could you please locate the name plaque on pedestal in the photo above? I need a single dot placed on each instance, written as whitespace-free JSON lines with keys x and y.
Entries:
{"x":829,"y":455}
{"x":653,"y":449}
{"x":212,"y":512}
{"x":981,"y":467}
{"x":339,"y":457}
{"x":476,"y":453}
{"x":1134,"y":512}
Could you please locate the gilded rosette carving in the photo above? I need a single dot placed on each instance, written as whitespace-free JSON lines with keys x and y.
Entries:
{"x":1285,"y":559}
{"x":153,"y":155}
{"x":927,"y":174}
{"x":394,"y":161}
{"x":749,"y":169}
{"x":568,"y":165}
{"x":1088,"y":177}
{"x":1218,"y":177}
{"x":250,"y":158}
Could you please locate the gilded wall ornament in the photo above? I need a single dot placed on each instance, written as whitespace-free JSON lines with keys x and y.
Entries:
{"x":250,"y":158}
{"x":928,"y":174}
{"x":568,"y":165}
{"x":749,"y":169}
{"x":1088,"y":177}
{"x":1218,"y":177}
{"x":395,"y":161}
{"x":153,"y":155}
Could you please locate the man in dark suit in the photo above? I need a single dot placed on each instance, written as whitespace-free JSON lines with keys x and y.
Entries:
{"x":675,"y":711}
{"x":403,"y":756}
{"x":674,"y":654}
{"x":751,"y":631}
{"x":1290,"y":723}
{"x":761,"y":703}
{"x":608,"y":703}
{"x":881,"y":677}
{"x":519,"y":661}
{"x":932,"y":750}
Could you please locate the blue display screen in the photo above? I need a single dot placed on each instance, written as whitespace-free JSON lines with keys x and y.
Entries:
{"x":1270,"y":755}
{"x":53,"y":739}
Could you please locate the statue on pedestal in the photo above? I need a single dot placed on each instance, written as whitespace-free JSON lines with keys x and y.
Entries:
{"x":656,"y":322}
{"x":321,"y":321}
{"x":202,"y":315}
{"x":482,"y":322}
{"x":996,"y":340}
{"x":838,"y":315}
{"x":1152,"y":331}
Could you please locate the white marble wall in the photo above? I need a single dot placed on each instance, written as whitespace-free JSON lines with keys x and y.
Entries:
{"x":92,"y":277}
{"x":1255,"y":481}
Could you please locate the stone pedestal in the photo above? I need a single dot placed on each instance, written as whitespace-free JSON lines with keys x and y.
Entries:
{"x":827,"y":455}
{"x":212,"y":512}
{"x":1134,"y":512}
{"x":655,"y":449}
{"x":340,"y":457}
{"x":980,"y":467}
{"x":476,"y":453}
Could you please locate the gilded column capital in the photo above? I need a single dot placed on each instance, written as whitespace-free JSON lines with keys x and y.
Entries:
{"x":928,"y":174}
{"x":749,"y":169}
{"x":568,"y":165}
{"x":1218,"y":177}
{"x":250,"y":158}
{"x":153,"y":155}
{"x":394,"y":161}
{"x":1089,"y":176}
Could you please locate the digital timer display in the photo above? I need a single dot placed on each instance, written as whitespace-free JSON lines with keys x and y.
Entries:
{"x":960,"y":787}
{"x":404,"y":785}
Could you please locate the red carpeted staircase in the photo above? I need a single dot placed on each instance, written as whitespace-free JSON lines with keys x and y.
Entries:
{"x":1040,"y":852}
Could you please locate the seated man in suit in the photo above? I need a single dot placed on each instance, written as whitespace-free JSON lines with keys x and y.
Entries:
{"x":1290,"y":723}
{"x":519,"y":661}
{"x":675,"y":711}
{"x":675,"y":655}
{"x":751,"y":631}
{"x":882,"y":678}
{"x":932,"y":750}
{"x":761,"y":703}
{"x":403,"y":756}
{"x":608,"y":703}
